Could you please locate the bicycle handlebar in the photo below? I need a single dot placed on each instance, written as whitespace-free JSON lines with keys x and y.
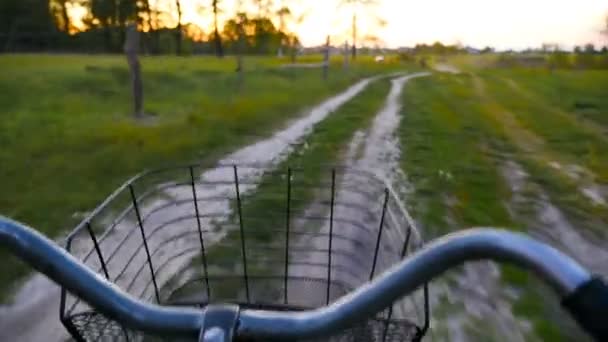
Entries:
{"x":585,"y":297}
{"x":47,"y":257}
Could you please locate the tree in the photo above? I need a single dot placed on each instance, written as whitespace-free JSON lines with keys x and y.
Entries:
{"x":59,"y":9}
{"x":283,"y":13}
{"x":219,"y":50}
{"x":589,"y":48}
{"x":354,"y":5}
{"x":252,"y":35}
{"x":585,"y":59}
{"x":112,"y":15}
{"x":103,"y":11}
{"x":25,"y":23}
{"x":178,"y":28}
{"x":65,"y":17}
{"x":372,"y":42}
{"x":145,"y":17}
{"x":288,"y":39}
{"x":263,"y":7}
{"x":438,"y":48}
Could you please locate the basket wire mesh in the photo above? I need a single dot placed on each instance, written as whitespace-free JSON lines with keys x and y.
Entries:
{"x":250,"y":235}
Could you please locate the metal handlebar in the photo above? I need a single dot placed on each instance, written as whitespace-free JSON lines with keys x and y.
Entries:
{"x":559,"y":271}
{"x":562,"y":273}
{"x":47,"y":257}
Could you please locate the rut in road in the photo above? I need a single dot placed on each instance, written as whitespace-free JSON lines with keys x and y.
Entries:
{"x":376,"y":150}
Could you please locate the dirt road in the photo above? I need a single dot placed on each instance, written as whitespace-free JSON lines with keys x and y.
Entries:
{"x":376,"y":149}
{"x":34,"y":313}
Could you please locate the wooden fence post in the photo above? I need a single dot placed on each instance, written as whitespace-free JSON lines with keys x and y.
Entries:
{"x":345,"y":52}
{"x":131,"y":49}
{"x":326,"y":59}
{"x":240,"y":51}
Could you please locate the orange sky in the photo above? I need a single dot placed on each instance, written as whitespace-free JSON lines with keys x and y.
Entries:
{"x":504,"y":24}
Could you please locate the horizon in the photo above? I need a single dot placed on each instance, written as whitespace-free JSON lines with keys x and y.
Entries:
{"x":517,"y":25}
{"x":505,"y":25}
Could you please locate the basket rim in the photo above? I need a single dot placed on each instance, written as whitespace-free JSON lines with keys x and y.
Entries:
{"x":268,"y":166}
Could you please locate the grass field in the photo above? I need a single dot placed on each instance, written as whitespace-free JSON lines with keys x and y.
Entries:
{"x":324,"y":147}
{"x":68,"y":138}
{"x":485,"y":147}
{"x":461,"y":132}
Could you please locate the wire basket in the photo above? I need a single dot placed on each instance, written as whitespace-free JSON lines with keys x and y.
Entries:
{"x":290,"y":239}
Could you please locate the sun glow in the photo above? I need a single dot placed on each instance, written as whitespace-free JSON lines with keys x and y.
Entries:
{"x":513,"y":24}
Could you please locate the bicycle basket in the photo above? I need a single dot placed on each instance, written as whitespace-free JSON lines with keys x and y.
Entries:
{"x":252,"y":235}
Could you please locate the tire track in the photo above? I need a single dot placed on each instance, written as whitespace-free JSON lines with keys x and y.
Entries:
{"x":380,"y":155}
{"x":33,"y":315}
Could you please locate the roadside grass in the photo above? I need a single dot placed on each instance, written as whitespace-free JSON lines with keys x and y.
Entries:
{"x":67,"y":137}
{"x":562,"y":132}
{"x":455,"y":141}
{"x":472,"y":62}
{"x":449,"y":160}
{"x":546,"y":137}
{"x":263,"y":211}
{"x":581,"y":94}
{"x":450,"y":156}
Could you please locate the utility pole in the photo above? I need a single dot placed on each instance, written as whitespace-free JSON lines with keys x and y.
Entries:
{"x":326,"y":59}
{"x":354,"y":48}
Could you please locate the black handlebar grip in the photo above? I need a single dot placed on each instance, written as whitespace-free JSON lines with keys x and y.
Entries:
{"x":588,"y":304}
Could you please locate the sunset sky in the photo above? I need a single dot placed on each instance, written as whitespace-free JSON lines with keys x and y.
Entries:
{"x":516,"y":24}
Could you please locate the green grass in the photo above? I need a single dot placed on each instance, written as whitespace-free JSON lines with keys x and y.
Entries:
{"x":579,"y":93}
{"x":458,"y":130}
{"x":536,"y":303}
{"x":552,"y":115}
{"x":68,"y":138}
{"x":451,"y":153}
{"x":563,"y":137}
{"x":323,"y":147}
{"x":450,"y":156}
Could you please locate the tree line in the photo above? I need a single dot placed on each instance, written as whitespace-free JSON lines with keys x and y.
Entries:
{"x":46,"y":25}
{"x":254,"y":27}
